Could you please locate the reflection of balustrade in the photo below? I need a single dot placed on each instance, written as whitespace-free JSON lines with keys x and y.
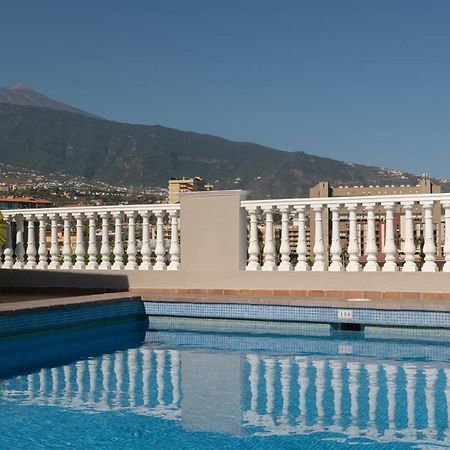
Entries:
{"x":123,"y":380}
{"x":385,"y":400}
{"x":366,"y":414}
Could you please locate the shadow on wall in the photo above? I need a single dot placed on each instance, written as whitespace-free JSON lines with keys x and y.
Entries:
{"x":85,"y":282}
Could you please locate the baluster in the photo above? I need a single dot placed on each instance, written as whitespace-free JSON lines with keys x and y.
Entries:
{"x":391,"y":384}
{"x":371,"y":242}
{"x":54,"y":247}
{"x":319,"y":248}
{"x":336,"y":247}
{"x":410,"y":373}
{"x":118,"y":245}
{"x":253,"y":244}
{"x":31,"y":245}
{"x":79,"y":248}
{"x":67,"y":245}
{"x":105,"y":249}
{"x":409,"y":246}
{"x":8,"y":251}
{"x":353,"y":247}
{"x":390,"y":249}
{"x":131,"y":247}
{"x":302,"y":261}
{"x":42,"y":249}
{"x":446,"y":267}
{"x":160,"y":251}
{"x":174,"y":250}
{"x":429,"y":247}
{"x":285,"y":247}
{"x":146,"y":251}
{"x":20,"y":250}
{"x":269,"y":247}
{"x":92,"y":247}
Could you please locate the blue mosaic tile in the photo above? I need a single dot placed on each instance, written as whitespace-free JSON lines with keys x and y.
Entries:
{"x":425,"y":319}
{"x":23,"y":322}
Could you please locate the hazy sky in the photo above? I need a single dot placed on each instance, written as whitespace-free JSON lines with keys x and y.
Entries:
{"x":364,"y":81}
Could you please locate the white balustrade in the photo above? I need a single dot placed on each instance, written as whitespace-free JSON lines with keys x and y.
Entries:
{"x":361,"y":229}
{"x":79,"y":247}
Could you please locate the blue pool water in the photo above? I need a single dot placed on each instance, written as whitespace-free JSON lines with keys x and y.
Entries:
{"x":180,"y":384}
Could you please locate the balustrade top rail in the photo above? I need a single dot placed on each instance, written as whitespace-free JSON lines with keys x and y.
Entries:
{"x":168,"y":207}
{"x":335,"y":201}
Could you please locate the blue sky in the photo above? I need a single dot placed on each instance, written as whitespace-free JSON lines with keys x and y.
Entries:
{"x":356,"y":80}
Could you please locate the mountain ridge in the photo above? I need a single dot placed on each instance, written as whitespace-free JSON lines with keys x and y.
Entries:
{"x":19,"y":94}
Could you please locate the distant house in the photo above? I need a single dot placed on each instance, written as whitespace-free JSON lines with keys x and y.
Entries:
{"x":23,"y":203}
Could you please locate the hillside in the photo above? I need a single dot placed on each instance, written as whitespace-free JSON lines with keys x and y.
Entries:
{"x":51,"y":140}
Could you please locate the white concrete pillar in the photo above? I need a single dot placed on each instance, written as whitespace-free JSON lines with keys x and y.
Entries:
{"x":146,"y":251}
{"x":269,"y":246}
{"x":31,"y":245}
{"x":20,"y":249}
{"x":105,"y":249}
{"x":8,"y":250}
{"x":79,"y":247}
{"x":92,"y":244}
{"x":390,"y":249}
{"x":253,"y":242}
{"x":131,"y":246}
{"x":174,"y":250}
{"x":353,"y":248}
{"x":42,"y":249}
{"x":409,"y":246}
{"x":336,"y":247}
{"x":302,"y":248}
{"x":54,"y":245}
{"x":67,"y":247}
{"x":446,"y":267}
{"x":371,"y":249}
{"x":118,"y":244}
{"x":285,"y":247}
{"x":319,"y":248}
{"x":160,"y":251}
{"x":429,"y":247}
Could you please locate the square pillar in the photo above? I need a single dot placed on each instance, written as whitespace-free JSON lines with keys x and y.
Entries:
{"x":213,"y":231}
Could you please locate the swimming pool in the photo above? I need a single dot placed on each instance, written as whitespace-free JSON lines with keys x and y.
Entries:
{"x":186,"y":383}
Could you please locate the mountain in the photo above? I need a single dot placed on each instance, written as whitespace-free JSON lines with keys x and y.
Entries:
{"x":19,"y":94}
{"x":52,"y":140}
